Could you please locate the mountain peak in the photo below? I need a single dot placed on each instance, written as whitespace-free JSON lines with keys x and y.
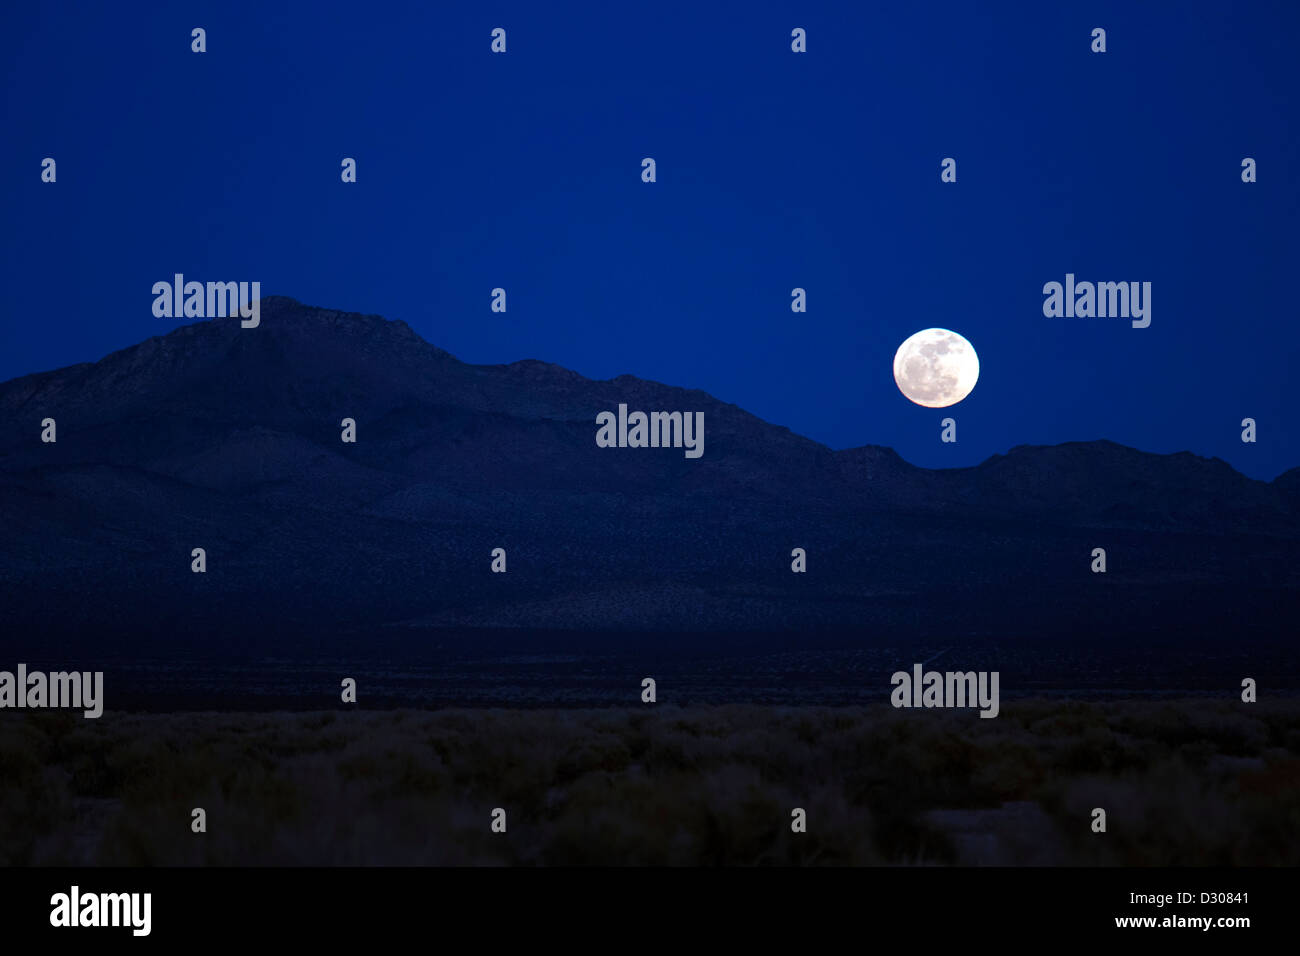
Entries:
{"x":305,"y":367}
{"x":233,"y":439}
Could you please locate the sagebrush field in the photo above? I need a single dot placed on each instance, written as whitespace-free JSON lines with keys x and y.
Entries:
{"x":1189,"y":782}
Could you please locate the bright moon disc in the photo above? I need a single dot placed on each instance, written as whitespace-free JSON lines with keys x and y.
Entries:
{"x":936,"y":368}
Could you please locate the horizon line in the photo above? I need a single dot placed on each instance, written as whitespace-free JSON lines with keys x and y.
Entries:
{"x":488,"y":365}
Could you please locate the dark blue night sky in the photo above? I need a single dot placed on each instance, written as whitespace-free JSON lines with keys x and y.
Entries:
{"x":775,"y":170}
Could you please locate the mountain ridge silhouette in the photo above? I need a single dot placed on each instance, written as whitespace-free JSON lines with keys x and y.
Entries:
{"x":227,"y":438}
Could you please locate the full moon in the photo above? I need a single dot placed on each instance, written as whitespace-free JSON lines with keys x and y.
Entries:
{"x":936,"y":368}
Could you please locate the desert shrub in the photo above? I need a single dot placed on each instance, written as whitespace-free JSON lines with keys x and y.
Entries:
{"x":1184,"y":783}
